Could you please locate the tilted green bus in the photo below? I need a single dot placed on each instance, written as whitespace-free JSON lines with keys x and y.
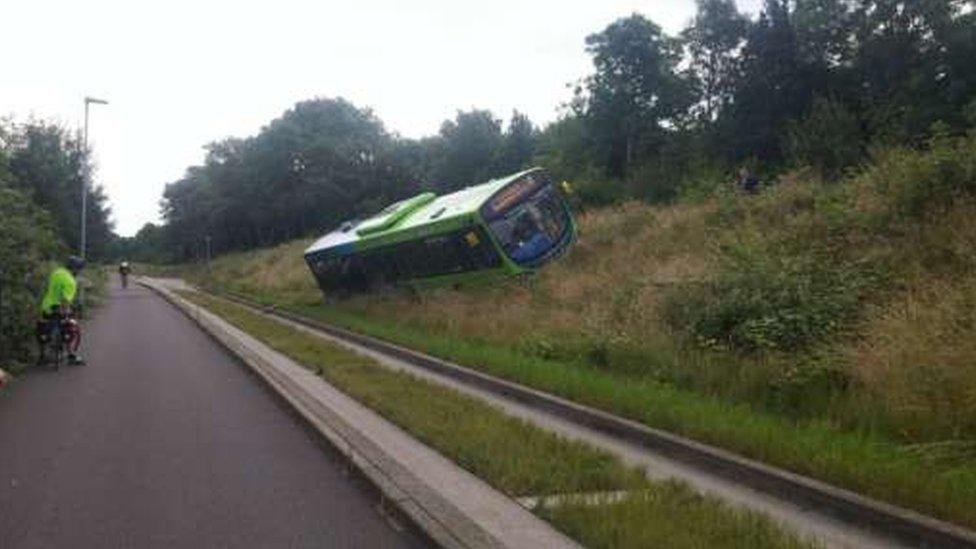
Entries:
{"x":508,"y":225}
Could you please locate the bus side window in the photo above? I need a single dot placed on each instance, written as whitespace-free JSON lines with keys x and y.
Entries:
{"x":414,"y":257}
{"x":482,"y":253}
{"x":404,"y":265}
{"x":466,"y":250}
{"x":390,"y":267}
{"x":456,"y":258}
{"x":432,"y":257}
{"x":345,"y":272}
{"x":370,"y":270}
{"x":356,"y":275}
{"x":466,"y":243}
{"x":438,"y":252}
{"x":325,"y":271}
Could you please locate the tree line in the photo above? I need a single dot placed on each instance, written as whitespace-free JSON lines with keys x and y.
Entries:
{"x":804,"y":83}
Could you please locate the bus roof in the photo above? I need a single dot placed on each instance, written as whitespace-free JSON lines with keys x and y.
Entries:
{"x":420,"y":211}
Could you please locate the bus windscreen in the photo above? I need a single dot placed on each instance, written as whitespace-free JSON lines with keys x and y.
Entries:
{"x":529,"y":227}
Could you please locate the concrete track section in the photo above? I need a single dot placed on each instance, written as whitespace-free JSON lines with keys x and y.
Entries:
{"x":165,"y":440}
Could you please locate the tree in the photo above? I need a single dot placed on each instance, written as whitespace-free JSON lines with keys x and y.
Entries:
{"x":147,"y":246}
{"x":519,"y":144}
{"x":470,"y":147}
{"x":911,"y":56}
{"x":321,"y":162}
{"x":563,"y":147}
{"x":713,"y":40}
{"x":634,"y":92}
{"x":773,"y":88}
{"x":47,"y":164}
{"x":957,"y":81}
{"x":828,"y":139}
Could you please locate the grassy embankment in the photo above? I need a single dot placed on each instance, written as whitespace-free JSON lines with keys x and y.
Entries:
{"x":822,"y":327}
{"x":518,"y":458}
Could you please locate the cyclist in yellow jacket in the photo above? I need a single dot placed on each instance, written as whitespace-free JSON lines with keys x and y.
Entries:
{"x":56,"y":307}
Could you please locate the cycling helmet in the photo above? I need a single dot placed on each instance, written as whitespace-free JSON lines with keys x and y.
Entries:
{"x":75,"y":263}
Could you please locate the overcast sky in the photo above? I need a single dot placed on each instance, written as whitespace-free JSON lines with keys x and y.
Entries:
{"x":180,"y":74}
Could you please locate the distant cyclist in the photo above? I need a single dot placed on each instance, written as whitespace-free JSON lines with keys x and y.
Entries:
{"x":56,"y":307}
{"x":124,"y":270}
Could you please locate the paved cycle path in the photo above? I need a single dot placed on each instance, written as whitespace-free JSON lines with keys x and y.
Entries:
{"x":163,"y":440}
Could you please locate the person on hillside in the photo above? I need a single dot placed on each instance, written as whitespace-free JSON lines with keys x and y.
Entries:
{"x":748,"y":182}
{"x":56,"y":307}
{"x":4,"y":378}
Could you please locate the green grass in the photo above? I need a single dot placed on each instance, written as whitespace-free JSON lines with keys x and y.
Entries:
{"x":519,"y":458}
{"x":646,"y":519}
{"x":861,"y":461}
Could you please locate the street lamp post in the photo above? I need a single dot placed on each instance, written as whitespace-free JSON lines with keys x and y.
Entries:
{"x":84,"y":192}
{"x":84,"y":178}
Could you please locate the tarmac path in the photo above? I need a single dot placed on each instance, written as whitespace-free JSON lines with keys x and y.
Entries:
{"x":164,"y":440}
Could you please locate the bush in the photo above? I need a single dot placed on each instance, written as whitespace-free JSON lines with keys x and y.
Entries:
{"x":599,"y":193}
{"x":829,"y":139}
{"x":26,"y":241}
{"x":914,"y":183}
{"x":762,"y":301}
{"x":790,"y":272}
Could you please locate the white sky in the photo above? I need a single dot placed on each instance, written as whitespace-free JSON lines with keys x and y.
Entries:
{"x":180,"y":74}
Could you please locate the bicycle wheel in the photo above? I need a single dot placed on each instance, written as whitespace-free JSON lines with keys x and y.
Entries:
{"x":57,"y":347}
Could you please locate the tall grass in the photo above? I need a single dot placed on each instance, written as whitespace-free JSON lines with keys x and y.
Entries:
{"x":917,"y":356}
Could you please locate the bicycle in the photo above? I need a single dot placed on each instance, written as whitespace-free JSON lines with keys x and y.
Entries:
{"x":54,"y":344}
